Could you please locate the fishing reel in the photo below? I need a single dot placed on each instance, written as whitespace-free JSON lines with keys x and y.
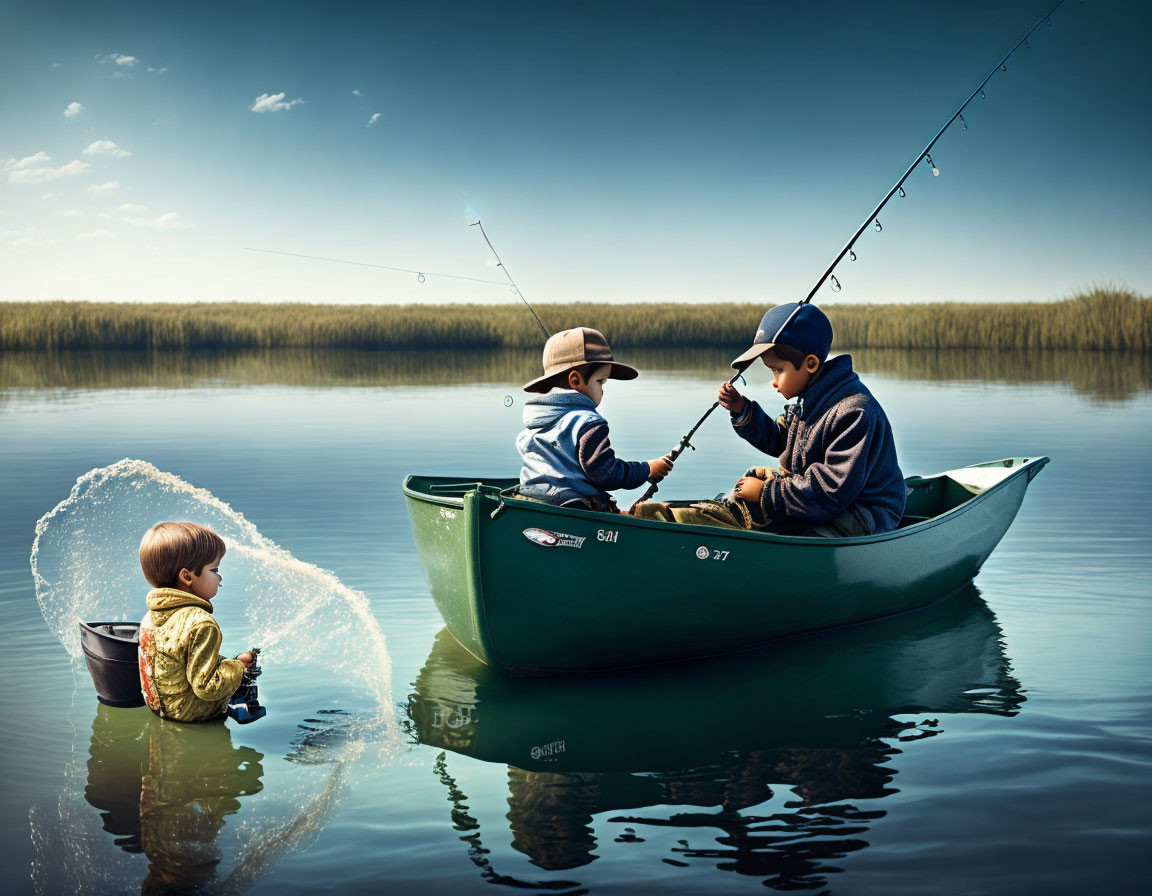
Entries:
{"x":244,"y":706}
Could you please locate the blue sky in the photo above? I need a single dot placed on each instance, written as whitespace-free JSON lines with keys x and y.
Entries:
{"x":615,"y":151}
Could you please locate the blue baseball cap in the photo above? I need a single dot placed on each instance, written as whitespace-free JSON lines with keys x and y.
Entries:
{"x":801,"y":326}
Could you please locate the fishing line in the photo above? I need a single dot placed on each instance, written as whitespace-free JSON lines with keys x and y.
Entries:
{"x":873,"y":218}
{"x":420,"y":275}
{"x":511,"y":282}
{"x":508,"y":400}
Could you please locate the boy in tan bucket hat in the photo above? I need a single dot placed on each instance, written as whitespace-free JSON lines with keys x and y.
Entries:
{"x":568,"y":458}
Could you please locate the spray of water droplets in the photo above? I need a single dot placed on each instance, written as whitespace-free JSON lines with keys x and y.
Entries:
{"x":322,"y":646}
{"x":85,"y":566}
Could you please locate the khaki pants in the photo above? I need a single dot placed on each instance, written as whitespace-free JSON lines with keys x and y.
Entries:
{"x":732,"y":513}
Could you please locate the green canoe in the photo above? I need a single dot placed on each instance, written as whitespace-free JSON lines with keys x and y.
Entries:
{"x":529,"y":588}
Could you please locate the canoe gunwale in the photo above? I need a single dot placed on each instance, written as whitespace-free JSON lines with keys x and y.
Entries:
{"x":1028,"y":467}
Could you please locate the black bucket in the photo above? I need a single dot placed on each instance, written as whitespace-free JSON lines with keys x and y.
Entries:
{"x":110,"y":651}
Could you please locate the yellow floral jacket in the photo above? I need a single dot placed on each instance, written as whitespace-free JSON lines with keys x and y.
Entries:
{"x":182,"y":674}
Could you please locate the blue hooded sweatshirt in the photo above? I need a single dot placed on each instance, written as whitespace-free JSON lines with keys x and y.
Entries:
{"x":566,"y":452}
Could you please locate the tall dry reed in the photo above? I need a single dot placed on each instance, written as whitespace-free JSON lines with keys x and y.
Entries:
{"x":1103,"y":319}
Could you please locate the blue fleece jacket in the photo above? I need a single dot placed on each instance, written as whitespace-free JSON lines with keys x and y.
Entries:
{"x":836,"y":452}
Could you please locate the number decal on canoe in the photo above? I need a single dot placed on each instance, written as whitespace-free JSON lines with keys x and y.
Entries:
{"x":545,"y":750}
{"x":704,"y":553}
{"x":607,"y":535}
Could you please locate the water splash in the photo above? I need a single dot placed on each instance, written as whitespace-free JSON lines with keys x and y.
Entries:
{"x":85,"y":566}
{"x":322,"y":644}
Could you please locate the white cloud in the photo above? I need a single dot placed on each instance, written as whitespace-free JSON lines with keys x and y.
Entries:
{"x":121,"y":59}
{"x":73,"y":110}
{"x":166,"y":221}
{"x":97,"y":235}
{"x":122,"y":62}
{"x":106,"y":148}
{"x":108,"y":186}
{"x":70,"y":213}
{"x":33,"y":161}
{"x":35,"y":169}
{"x":24,"y":237}
{"x":357,"y":93}
{"x":371,"y":121}
{"x":129,"y":213}
{"x":159,"y":71}
{"x":273,"y":102}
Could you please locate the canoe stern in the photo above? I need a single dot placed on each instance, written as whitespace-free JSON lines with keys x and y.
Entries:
{"x":446,"y":538}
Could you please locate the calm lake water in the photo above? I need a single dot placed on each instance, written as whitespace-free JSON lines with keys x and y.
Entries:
{"x":995,"y":743}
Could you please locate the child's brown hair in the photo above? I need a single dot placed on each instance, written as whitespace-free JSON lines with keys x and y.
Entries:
{"x":793,"y":356}
{"x":167,"y":548}
{"x":560,"y":380}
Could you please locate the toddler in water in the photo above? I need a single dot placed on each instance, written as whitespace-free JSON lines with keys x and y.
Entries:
{"x":182,"y":674}
{"x":568,"y":459}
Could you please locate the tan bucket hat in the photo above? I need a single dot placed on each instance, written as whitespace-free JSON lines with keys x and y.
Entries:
{"x":569,"y":349}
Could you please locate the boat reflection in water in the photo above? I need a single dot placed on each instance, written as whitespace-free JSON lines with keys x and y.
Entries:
{"x":166,"y":790}
{"x":815,"y":717}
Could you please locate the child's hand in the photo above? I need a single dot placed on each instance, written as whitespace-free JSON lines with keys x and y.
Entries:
{"x":731,"y":398}
{"x":659,"y":468}
{"x":749,"y":489}
{"x":246,"y":658}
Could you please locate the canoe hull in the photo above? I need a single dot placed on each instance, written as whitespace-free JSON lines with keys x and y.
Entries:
{"x":529,"y":588}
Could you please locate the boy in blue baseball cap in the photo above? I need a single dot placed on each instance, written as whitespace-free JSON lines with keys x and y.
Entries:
{"x":838,"y":474}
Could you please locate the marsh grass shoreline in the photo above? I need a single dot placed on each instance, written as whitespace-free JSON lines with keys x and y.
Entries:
{"x":1105,"y":319}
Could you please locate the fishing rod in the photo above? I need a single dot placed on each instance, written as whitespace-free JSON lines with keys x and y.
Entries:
{"x":873,"y":218}
{"x":516,"y":289}
{"x":925,"y":155}
{"x":512,"y":283}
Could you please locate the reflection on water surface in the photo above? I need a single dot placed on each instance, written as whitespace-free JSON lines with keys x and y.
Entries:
{"x":755,"y":771}
{"x":166,"y":790}
{"x":774,"y":749}
{"x":1098,"y":374}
